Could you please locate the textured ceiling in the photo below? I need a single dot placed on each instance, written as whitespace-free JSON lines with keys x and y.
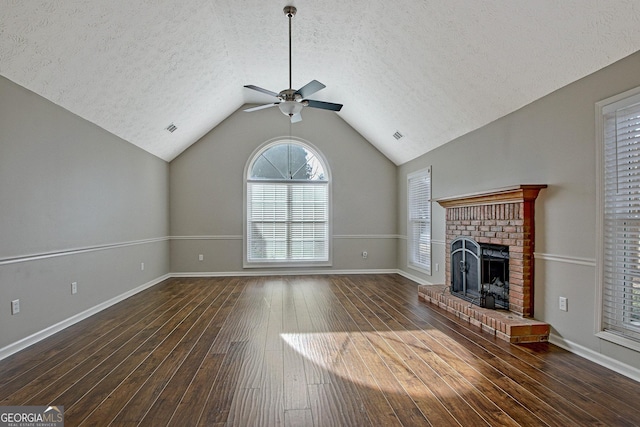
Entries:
{"x":433,"y":70}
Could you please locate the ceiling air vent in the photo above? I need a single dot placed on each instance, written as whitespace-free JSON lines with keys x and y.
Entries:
{"x":398,"y":135}
{"x":171,"y":128}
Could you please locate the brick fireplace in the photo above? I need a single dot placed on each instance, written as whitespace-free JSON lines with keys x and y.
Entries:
{"x":505,"y":217}
{"x":502,"y":217}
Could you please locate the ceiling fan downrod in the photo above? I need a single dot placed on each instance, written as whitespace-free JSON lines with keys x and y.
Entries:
{"x":290,"y":12}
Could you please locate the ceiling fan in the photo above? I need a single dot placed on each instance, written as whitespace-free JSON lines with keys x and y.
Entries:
{"x":291,"y":101}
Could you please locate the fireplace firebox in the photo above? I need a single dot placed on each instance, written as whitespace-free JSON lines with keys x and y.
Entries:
{"x":480,"y":273}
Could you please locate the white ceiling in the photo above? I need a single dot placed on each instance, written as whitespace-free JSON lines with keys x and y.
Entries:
{"x":431,"y":69}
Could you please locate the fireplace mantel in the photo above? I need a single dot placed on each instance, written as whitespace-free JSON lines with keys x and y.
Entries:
{"x":513,"y":194}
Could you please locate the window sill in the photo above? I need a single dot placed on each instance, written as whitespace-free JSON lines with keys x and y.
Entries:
{"x":420,"y":269}
{"x":620,"y":340}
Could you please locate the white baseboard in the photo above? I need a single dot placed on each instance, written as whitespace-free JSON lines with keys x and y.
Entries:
{"x":251,"y":273}
{"x":416,"y":279}
{"x":38,"y":336}
{"x":600,"y":359}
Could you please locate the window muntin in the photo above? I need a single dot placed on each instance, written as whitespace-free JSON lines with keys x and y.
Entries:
{"x":287,"y":161}
{"x":620,"y":310}
{"x":419,"y":220}
{"x":287,"y":206}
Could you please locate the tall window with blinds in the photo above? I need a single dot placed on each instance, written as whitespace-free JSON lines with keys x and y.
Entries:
{"x":620,"y":313}
{"x":287,"y":206}
{"x":419,"y":221}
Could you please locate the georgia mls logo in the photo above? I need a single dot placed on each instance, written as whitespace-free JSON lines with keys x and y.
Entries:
{"x":31,"y":416}
{"x":55,"y":410}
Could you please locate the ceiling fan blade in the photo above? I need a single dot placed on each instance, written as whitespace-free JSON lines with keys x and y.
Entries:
{"x":324,"y":105}
{"x":310,"y":88}
{"x":296,"y":118}
{"x":261,"y":107}
{"x":259,"y":89}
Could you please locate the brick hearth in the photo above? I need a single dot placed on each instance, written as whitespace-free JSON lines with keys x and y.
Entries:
{"x":503,"y":324}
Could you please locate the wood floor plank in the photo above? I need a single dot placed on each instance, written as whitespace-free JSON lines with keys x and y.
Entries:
{"x":182,"y":383}
{"x":510,"y":358}
{"x":350,"y":371}
{"x":298,"y":418}
{"x":587,"y":379}
{"x":404,"y":406}
{"x":343,"y":394}
{"x":77,"y":366}
{"x":151,"y":378}
{"x":355,"y":367}
{"x":443,"y":403}
{"x":110,"y":371}
{"x":346,"y":350}
{"x":190,"y":408}
{"x":263,"y":405}
{"x":314,"y":351}
{"x":364,"y":369}
{"x":223,"y":391}
{"x":79,"y":334}
{"x":296,"y":395}
{"x":464,"y":361}
{"x":454,"y":364}
{"x":57,"y":355}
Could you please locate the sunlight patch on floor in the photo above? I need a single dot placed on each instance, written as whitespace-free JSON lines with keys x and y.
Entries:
{"x":335,"y":352}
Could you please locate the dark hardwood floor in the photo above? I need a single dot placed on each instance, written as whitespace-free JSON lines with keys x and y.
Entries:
{"x":302,"y":351}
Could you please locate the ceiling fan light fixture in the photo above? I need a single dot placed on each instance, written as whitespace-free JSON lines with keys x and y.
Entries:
{"x":290,"y":108}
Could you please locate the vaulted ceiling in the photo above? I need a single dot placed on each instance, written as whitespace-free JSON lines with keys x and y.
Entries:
{"x":430,"y":69}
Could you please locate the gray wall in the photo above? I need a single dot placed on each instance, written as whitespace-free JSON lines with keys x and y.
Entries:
{"x":551,"y":141}
{"x":66,"y":184}
{"x":207,"y":192}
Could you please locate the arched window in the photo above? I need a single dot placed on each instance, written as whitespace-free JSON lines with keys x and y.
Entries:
{"x":287,"y":206}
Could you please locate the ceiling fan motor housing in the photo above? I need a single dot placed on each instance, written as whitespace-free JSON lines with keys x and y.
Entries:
{"x":289,"y":95}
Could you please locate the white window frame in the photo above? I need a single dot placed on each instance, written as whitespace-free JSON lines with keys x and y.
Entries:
{"x":611,"y":327}
{"x":248,"y":263}
{"x":419,"y":247}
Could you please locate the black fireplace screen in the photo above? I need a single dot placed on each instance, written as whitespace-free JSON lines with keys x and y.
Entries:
{"x":480,"y":273}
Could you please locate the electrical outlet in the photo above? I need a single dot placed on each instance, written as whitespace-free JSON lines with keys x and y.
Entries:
{"x":74,"y":288}
{"x":201,"y":257}
{"x":365,"y":254}
{"x":142,"y":266}
{"x":562,"y":303}
{"x":437,"y":267}
{"x":15,"y":306}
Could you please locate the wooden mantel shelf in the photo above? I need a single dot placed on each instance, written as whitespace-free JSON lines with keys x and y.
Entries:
{"x":513,"y":194}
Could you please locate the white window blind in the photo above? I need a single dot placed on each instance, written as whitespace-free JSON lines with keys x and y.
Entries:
{"x":287,"y":221}
{"x":621,"y":219}
{"x":419,"y":223}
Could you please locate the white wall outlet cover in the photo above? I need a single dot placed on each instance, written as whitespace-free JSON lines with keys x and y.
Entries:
{"x":15,"y":306}
{"x":562,"y":303}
